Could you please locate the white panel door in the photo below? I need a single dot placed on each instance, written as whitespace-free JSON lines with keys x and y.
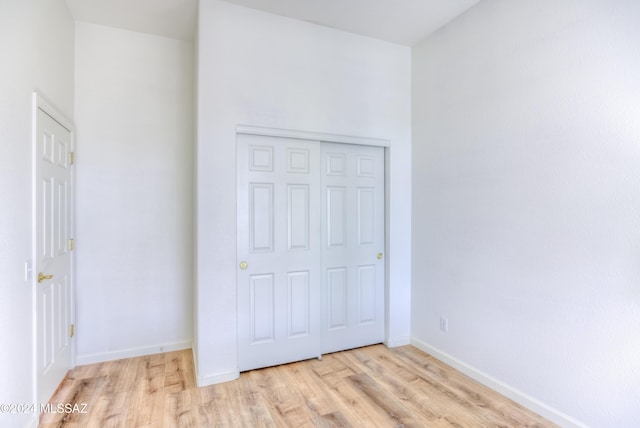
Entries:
{"x":279,"y":259}
{"x":53,"y":189}
{"x":353,"y":245}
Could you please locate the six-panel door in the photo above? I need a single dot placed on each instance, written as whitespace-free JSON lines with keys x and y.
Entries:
{"x":279,"y":254}
{"x":54,"y":298}
{"x":353,"y":246}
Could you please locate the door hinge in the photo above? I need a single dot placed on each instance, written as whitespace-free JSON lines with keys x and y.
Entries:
{"x":72,"y":158}
{"x":72,"y":244}
{"x":72,"y":330}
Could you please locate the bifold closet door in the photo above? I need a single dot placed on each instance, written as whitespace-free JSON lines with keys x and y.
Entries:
{"x":353,"y":274}
{"x":279,"y":250}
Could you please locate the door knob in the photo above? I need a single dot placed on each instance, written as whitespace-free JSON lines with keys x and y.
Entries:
{"x":244,"y":265}
{"x":379,"y":256}
{"x":42,"y":277}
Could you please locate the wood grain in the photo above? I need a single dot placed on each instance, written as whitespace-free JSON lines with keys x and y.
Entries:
{"x":372,"y":386}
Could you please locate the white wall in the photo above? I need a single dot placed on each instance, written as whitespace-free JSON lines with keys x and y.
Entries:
{"x":36,"y":41}
{"x":265,"y":70}
{"x":135,"y":148}
{"x":526,"y":203}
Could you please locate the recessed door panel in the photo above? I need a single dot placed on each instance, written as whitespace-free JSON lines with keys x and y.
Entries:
{"x":47,"y":327}
{"x":262,"y":310}
{"x":298,"y":161}
{"x":298,"y":216}
{"x":366,"y":166}
{"x":61,"y":221}
{"x":367,"y":294}
{"x":47,"y":141}
{"x":47,"y":220}
{"x":261,"y":217}
{"x":366,"y":215}
{"x":62,"y":153}
{"x":336,"y":217}
{"x":62,"y":314}
{"x":261,"y":158}
{"x":336,"y":164}
{"x":337,"y":295}
{"x":59,"y":317}
{"x":298,"y":303}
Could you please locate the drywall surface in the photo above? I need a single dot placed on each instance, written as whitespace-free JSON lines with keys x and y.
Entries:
{"x":265,"y":70}
{"x":526,"y":207}
{"x":36,"y":41}
{"x":135,"y":148}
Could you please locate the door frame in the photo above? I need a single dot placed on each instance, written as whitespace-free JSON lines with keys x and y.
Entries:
{"x":340,"y":139}
{"x":39,"y":102}
{"x":316,"y":136}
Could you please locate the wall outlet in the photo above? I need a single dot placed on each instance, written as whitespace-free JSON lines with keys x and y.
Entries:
{"x":444,"y":324}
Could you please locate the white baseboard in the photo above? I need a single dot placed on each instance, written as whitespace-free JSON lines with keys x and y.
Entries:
{"x":130,"y":353}
{"x":508,"y":391}
{"x":213,"y":378}
{"x":397,"y":341}
{"x":220,"y":377}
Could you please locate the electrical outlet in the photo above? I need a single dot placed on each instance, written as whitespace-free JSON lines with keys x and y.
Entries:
{"x":444,"y":324}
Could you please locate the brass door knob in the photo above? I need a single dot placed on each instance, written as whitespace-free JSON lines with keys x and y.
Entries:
{"x":244,"y":265}
{"x":379,"y":256}
{"x":42,"y":277}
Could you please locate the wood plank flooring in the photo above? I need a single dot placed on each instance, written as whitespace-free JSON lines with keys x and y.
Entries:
{"x":366,"y":387}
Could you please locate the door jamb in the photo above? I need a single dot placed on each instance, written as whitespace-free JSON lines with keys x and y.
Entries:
{"x":316,"y":136}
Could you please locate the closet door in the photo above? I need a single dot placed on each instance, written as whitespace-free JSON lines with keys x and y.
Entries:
{"x":353,"y":273}
{"x":279,"y":250}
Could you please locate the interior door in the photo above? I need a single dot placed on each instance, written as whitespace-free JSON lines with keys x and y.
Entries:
{"x":279,"y":255}
{"x":53,"y":199}
{"x":353,"y":274}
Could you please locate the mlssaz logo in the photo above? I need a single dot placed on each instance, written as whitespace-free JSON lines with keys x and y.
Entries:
{"x":63,"y":408}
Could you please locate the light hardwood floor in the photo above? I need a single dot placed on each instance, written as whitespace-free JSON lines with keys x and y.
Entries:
{"x":366,"y":387}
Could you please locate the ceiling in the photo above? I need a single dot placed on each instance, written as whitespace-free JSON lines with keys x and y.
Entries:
{"x":169,"y":18}
{"x":405,"y":22}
